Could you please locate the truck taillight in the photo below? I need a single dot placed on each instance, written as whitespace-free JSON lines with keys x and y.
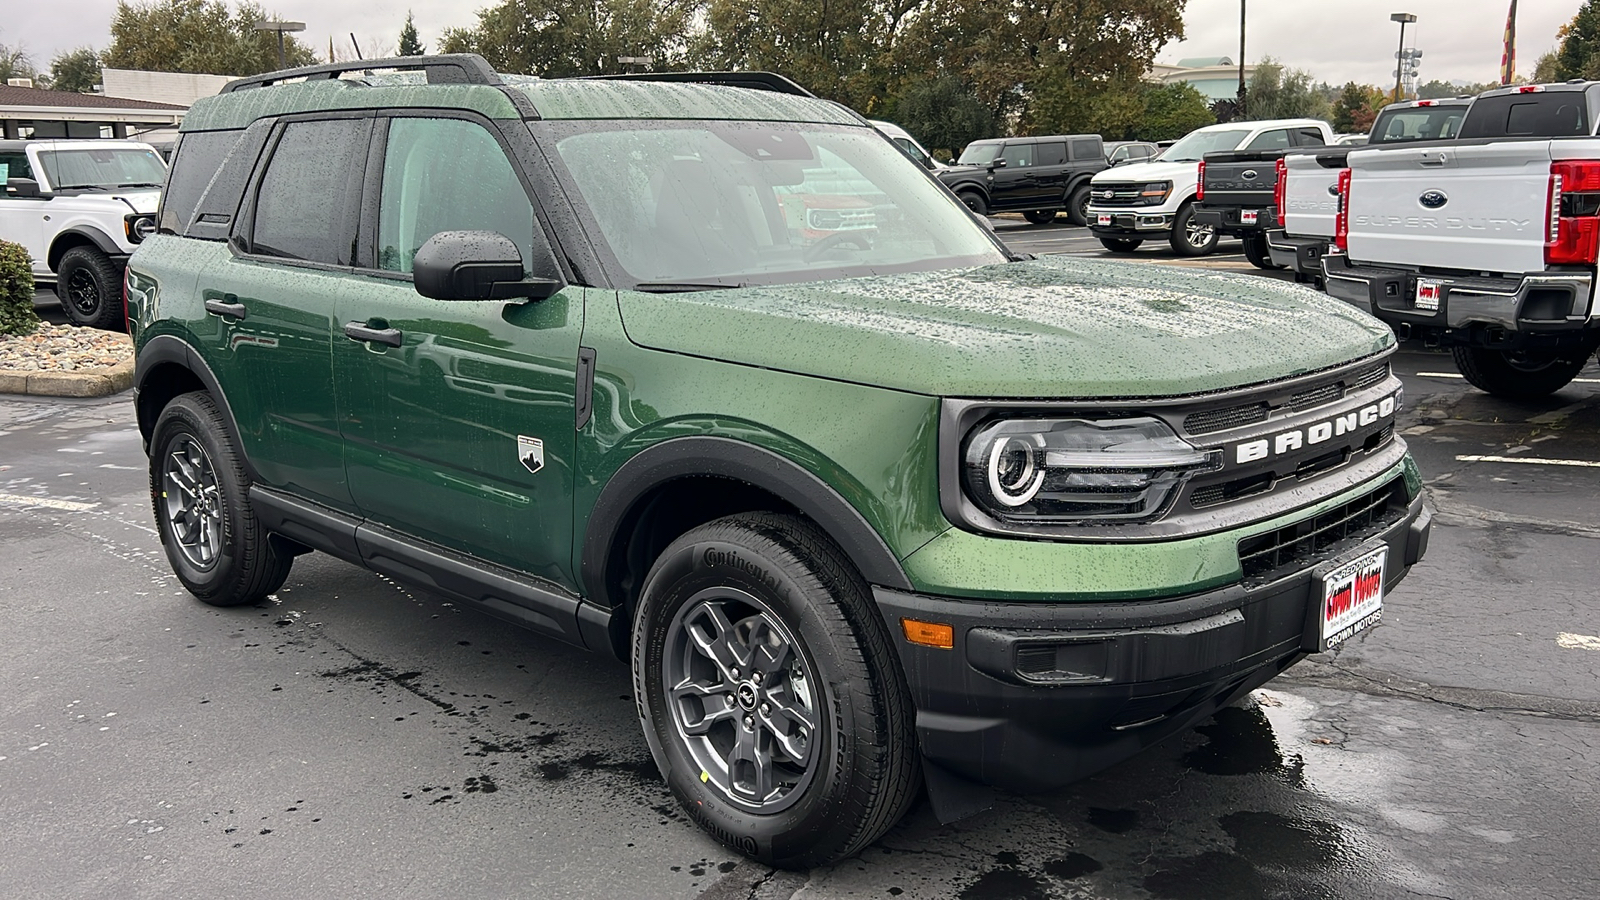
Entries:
{"x":1341,"y":221}
{"x":1200,"y":192}
{"x":1278,"y":189}
{"x":1572,"y":228}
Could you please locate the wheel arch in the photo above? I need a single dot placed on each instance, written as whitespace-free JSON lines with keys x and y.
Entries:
{"x":167,"y":367}
{"x":80,"y":236}
{"x":680,"y":483}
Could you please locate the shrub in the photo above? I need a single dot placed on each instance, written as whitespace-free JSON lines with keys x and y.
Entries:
{"x":16,"y":290}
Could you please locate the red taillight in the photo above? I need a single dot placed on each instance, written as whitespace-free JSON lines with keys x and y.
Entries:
{"x":1341,"y":222}
{"x":1200,"y":192}
{"x":1572,"y":226}
{"x":1278,"y":189}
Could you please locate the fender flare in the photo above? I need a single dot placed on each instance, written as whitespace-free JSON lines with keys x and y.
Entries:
{"x":973,"y":186}
{"x":99,"y":238}
{"x":700,"y":455}
{"x":164,"y":349}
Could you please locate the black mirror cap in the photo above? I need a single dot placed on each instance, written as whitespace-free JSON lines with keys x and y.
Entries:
{"x":23,"y":187}
{"x":475,"y":265}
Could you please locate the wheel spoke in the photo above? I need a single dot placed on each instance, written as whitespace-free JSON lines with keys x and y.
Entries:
{"x":790,"y":726}
{"x":720,"y":647}
{"x":749,"y":767}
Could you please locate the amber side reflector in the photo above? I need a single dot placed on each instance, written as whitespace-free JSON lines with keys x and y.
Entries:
{"x":929,"y":634}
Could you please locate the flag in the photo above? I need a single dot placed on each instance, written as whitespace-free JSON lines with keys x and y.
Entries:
{"x":1508,"y":58}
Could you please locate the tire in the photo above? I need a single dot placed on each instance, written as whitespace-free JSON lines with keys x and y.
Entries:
{"x":832,"y":786}
{"x":89,"y":286}
{"x":1520,"y":376}
{"x":1188,"y":239}
{"x":1120,"y":245}
{"x":1040,"y":216}
{"x":215,"y":544}
{"x":1078,"y":207}
{"x":1255,"y":250}
{"x":975,"y":202}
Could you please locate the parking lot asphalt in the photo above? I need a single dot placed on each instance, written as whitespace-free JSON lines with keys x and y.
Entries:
{"x":355,"y":738}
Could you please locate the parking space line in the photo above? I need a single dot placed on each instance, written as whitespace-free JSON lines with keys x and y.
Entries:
{"x":1531,"y":461}
{"x":1568,"y":641}
{"x":1459,"y":375}
{"x":46,"y":502}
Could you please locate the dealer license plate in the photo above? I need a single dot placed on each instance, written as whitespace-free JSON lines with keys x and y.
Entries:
{"x":1352,"y":598}
{"x":1428,"y":294}
{"x":1247,"y":216}
{"x":1102,"y":219}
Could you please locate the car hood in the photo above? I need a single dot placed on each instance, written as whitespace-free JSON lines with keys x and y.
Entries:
{"x":1175,"y":172}
{"x":141,"y":201}
{"x":125,"y":201}
{"x":959,"y":170}
{"x":1056,"y":327}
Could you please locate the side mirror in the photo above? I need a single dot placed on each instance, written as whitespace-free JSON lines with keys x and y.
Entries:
{"x":997,"y":164}
{"x":23,"y":189}
{"x":929,"y":164}
{"x":475,"y":265}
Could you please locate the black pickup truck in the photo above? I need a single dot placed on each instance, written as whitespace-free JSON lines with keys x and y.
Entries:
{"x":1238,"y":194}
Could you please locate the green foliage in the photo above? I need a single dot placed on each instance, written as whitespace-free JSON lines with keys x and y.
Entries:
{"x":1276,"y":93}
{"x":558,"y":39}
{"x":1358,"y":106}
{"x":943,"y":113}
{"x":15,"y":63}
{"x":410,"y":44}
{"x":198,"y":36}
{"x":1170,"y":112}
{"x":77,"y":71}
{"x":16,"y":290}
{"x":1545,"y":68}
{"x":1578,"y":56}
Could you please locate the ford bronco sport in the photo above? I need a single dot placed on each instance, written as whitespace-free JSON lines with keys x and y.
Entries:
{"x":862,"y":510}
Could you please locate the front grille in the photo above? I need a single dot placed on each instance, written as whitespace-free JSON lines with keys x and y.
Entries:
{"x":1306,"y":541}
{"x":1317,"y":396}
{"x":1250,"y":413}
{"x":1223,"y":419}
{"x":1121,"y":195}
{"x":1370,"y":377}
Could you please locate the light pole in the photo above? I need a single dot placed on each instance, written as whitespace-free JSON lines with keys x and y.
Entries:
{"x":280,"y":28}
{"x":1242,"y":110}
{"x":1402,"y":18}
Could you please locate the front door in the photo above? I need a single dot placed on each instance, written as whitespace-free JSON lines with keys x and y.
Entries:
{"x":1014,"y":185}
{"x":22,"y":218}
{"x":460,"y":429}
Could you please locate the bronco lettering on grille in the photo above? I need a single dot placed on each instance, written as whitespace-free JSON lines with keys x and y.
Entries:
{"x":1311,"y":435}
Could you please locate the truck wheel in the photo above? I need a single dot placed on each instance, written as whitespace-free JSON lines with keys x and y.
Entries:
{"x":975,"y":202}
{"x":1520,"y":375}
{"x":1120,"y":245}
{"x":1078,"y":207}
{"x":1255,"y":250}
{"x":1040,"y":216}
{"x":770,"y":694}
{"x":201,"y":497}
{"x":90,"y":288}
{"x":1189,"y":238}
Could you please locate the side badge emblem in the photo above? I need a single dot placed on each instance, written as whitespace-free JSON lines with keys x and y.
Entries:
{"x":530,"y":452}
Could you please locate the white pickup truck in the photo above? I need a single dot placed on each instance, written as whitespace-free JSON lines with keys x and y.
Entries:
{"x":1487,"y":245}
{"x":1308,"y":181}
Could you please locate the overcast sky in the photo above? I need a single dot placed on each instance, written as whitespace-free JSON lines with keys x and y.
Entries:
{"x":1335,"y":41}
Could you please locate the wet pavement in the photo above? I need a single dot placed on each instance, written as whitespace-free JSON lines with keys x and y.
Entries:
{"x":356,"y":738}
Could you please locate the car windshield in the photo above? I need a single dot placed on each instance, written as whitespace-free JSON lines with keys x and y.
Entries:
{"x":693,"y":205}
{"x":108,"y":168}
{"x":1423,"y":123}
{"x":980,"y":154}
{"x":1197,"y":144}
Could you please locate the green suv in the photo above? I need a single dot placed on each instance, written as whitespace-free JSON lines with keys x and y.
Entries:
{"x":702,"y":372}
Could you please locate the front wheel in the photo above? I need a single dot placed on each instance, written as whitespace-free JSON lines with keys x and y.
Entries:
{"x":1520,"y":375}
{"x":1120,"y":245}
{"x":1190,"y":238}
{"x":768,"y":692}
{"x":1255,"y":250}
{"x":90,"y":287}
{"x":975,"y":202}
{"x":1040,"y":216}
{"x":1078,"y":207}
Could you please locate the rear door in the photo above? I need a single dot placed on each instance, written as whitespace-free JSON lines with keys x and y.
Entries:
{"x":1051,"y":171}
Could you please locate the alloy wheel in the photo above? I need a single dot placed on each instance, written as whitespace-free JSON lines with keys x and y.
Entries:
{"x":83,"y":293}
{"x":193,"y":502}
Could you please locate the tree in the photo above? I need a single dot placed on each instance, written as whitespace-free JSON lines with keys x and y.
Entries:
{"x":1170,"y":112}
{"x":16,"y":63}
{"x":943,"y":112}
{"x":839,"y":49}
{"x":197,"y":36}
{"x":409,"y":43}
{"x":1357,"y":107}
{"x":1545,"y":68}
{"x":77,"y":71}
{"x":558,"y":39}
{"x":1578,"y":55}
{"x":1276,"y":93}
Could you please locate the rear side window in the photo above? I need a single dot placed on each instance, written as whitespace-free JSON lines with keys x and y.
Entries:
{"x":1086,"y":148}
{"x":1544,"y":114}
{"x":1052,"y":154}
{"x":213,"y":217}
{"x":304,"y":201}
{"x":1309,"y":137}
{"x":199,"y":155}
{"x":1277,"y":139}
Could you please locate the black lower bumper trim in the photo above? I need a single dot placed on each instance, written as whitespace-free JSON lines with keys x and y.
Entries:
{"x":1037,"y":695}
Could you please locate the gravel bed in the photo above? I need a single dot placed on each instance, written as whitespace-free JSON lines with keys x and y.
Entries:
{"x":64,"y":348}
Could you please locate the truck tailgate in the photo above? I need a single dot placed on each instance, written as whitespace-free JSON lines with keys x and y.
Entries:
{"x":1479,"y":207}
{"x":1311,"y":196}
{"x":1242,"y":179}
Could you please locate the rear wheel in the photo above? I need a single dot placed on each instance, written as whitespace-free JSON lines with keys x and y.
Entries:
{"x":767,"y":689}
{"x":90,"y":287}
{"x":1120,"y":245}
{"x":1520,"y":375}
{"x":1190,"y":238}
{"x":1078,"y":207}
{"x":1255,"y":250}
{"x":1040,"y":216}
{"x":975,"y":202}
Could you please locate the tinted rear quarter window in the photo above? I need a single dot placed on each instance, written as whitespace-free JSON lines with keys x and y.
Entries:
{"x":1086,"y":148}
{"x":1051,"y":153}
{"x":199,"y":155}
{"x":213,"y":217}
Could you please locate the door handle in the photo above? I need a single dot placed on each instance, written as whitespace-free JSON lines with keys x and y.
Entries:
{"x":228,"y":307}
{"x":360,"y":331}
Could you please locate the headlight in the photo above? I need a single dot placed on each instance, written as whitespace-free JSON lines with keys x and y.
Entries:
{"x":1064,"y":471}
{"x":139,"y":227}
{"x":1155,"y":193}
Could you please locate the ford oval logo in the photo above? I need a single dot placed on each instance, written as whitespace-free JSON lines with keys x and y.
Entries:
{"x":1333,"y":190}
{"x":1433,"y":199}
{"x":1248,"y":174}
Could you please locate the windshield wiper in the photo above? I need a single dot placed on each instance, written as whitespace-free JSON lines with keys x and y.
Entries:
{"x":681,"y":287}
{"x":149,"y":184}
{"x":83,"y":187}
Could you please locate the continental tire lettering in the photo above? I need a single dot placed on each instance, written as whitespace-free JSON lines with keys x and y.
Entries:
{"x":741,"y":842}
{"x":714,"y":558}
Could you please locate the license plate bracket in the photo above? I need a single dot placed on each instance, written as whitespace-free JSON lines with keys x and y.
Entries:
{"x":1248,"y":216}
{"x":1102,"y":219}
{"x":1427,"y":296}
{"x":1346,"y":598}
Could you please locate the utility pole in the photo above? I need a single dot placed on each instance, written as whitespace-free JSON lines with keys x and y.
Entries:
{"x":280,"y":28}
{"x":1402,"y":18}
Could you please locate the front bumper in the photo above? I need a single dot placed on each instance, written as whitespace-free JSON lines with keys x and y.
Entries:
{"x":1302,"y":255}
{"x":1034,"y":696}
{"x":1123,"y":222}
{"x":1546,"y":303}
{"x":1232,"y":220}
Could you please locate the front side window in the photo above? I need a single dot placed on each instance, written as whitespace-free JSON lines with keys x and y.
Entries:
{"x":735,"y":203}
{"x":447,"y":175}
{"x":16,"y":163}
{"x":303,"y":202}
{"x":1019,"y":155}
{"x":93,"y":168}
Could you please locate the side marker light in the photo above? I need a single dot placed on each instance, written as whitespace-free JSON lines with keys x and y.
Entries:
{"x":929,"y":634}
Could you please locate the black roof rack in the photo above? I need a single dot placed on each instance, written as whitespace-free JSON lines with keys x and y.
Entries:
{"x":446,"y":68}
{"x":757,"y":81}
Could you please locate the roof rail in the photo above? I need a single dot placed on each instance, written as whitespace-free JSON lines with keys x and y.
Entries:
{"x":758,"y":81}
{"x":446,"y":68}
